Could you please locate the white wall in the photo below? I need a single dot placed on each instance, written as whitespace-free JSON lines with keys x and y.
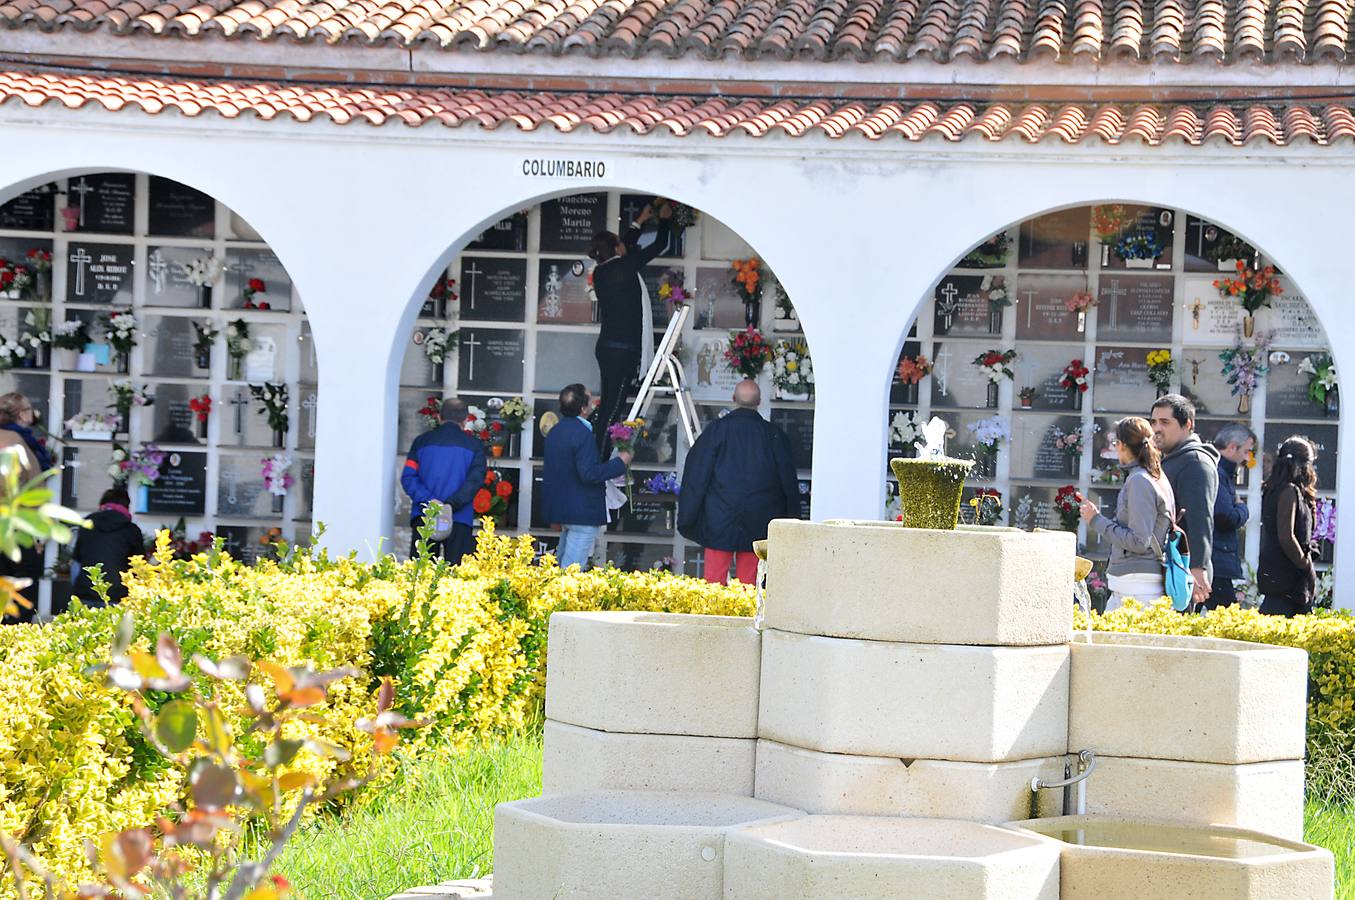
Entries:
{"x":858,"y":232}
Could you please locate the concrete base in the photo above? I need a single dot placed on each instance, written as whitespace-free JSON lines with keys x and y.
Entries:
{"x":881,"y":581}
{"x":1187,"y":698}
{"x":839,"y":784}
{"x":584,"y":759}
{"x":1156,"y":861}
{"x":654,"y":673}
{"x":867,"y":858}
{"x":619,"y":844}
{"x":1265,"y":797}
{"x":914,"y":701}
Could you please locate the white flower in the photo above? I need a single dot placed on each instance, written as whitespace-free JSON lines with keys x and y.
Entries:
{"x":1328,"y":380}
{"x":1306,"y":367}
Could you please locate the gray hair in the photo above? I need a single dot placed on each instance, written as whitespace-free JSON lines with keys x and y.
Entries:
{"x":1233,"y":433}
{"x":455,"y":410}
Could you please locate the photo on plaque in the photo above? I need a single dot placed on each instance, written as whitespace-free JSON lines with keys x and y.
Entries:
{"x":564,"y":297}
{"x":490,"y":359}
{"x":508,"y":234}
{"x":33,"y":210}
{"x":1040,"y":368}
{"x":1143,"y":239}
{"x":242,"y":266}
{"x":102,"y":204}
{"x":1120,"y":381}
{"x":716,"y":303}
{"x":1055,"y":241}
{"x":798,"y":424}
{"x":566,"y":357}
{"x":1287,"y":391}
{"x":1041,"y":309}
{"x":707,"y":373}
{"x":177,"y":210}
{"x":99,"y":274}
{"x":1035,"y":453}
{"x":956,"y":381}
{"x":181,"y":489}
{"x":1135,"y":307}
{"x":492,"y":289}
{"x":569,"y":223}
{"x":1210,"y":248}
{"x":961,"y":305}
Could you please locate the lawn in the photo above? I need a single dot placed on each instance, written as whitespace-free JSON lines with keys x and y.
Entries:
{"x":437,"y":824}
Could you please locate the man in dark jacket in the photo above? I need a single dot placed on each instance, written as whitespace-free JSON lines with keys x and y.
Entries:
{"x":574,"y":479}
{"x":1192,"y":469}
{"x":447,"y":465}
{"x":740,"y":474}
{"x":110,"y":542}
{"x":1235,"y":443}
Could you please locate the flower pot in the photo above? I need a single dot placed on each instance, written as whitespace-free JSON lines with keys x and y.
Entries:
{"x":992,"y":395}
{"x":1077,"y":399}
{"x":279,"y":437}
{"x":64,"y":359}
{"x":1139,"y":263}
{"x":143,"y":498}
{"x":1244,"y":403}
{"x":1333,"y":404}
{"x":205,"y":296}
{"x":1026,"y":402}
{"x":202,"y":359}
{"x":783,"y":394}
{"x":930,"y":490}
{"x":1248,"y":324}
{"x":92,"y":435}
{"x":278,"y":501}
{"x":84,"y":362}
{"x":496,"y":450}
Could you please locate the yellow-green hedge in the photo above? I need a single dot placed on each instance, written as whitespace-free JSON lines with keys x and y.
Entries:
{"x":465,"y":646}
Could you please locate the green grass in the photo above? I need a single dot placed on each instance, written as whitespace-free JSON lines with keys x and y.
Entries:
{"x":436,"y":823}
{"x":1333,"y":827}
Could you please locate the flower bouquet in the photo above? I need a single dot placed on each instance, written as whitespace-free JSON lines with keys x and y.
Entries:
{"x":995,"y":366}
{"x":120,"y":332}
{"x":625,"y":437}
{"x":37,"y":336}
{"x":431,"y":412}
{"x":1253,"y":288}
{"x":748,"y":352}
{"x":1138,"y":249}
{"x":201,"y":407}
{"x":92,"y":426}
{"x":1080,"y":303}
{"x":444,"y":290}
{"x":672,"y":287}
{"x":476,"y":421}
{"x":1070,"y":444}
{"x":39,"y":262}
{"x":989,"y":434}
{"x":1324,"y":525}
{"x":912,"y":369}
{"x":786,"y":318}
{"x":72,"y":334}
{"x":237,"y":346}
{"x":277,"y":477}
{"x":254,"y":287}
{"x":1244,"y":367}
{"x":1323,"y":387}
{"x":1069,"y":507}
{"x":1228,"y":252}
{"x":905,"y":428}
{"x":128,"y":395}
{"x":1161,"y":370}
{"x":991,"y":254}
{"x":684,"y":216}
{"x":492,"y":499}
{"x":273,"y":399}
{"x":1109,"y":220}
{"x":748,"y":282}
{"x":1076,"y":380}
{"x":793,"y":370}
{"x":662,"y":484}
{"x":987,"y":506}
{"x":202,"y":272}
{"x":993,"y":288}
{"x":142,"y":467}
{"x":438,"y":343}
{"x":204,"y":336}
{"x":15,"y":279}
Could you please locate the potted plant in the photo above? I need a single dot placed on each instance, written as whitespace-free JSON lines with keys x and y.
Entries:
{"x":438,"y":344}
{"x":1253,"y":288}
{"x":492,"y":499}
{"x":663,"y":488}
{"x":995,"y":366}
{"x":70,"y":339}
{"x":1139,"y":249}
{"x":15,"y":279}
{"x":1027,"y":396}
{"x":37,"y":337}
{"x":92,"y":426}
{"x":514,"y":413}
{"x":431,"y":413}
{"x":1076,"y":380}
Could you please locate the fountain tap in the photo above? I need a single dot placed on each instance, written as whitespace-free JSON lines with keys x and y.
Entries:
{"x":1086,"y":764}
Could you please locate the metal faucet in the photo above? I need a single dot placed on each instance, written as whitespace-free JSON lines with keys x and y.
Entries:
{"x":1086,"y":764}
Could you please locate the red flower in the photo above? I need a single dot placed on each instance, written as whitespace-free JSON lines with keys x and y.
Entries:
{"x":256,"y":285}
{"x":489,"y":477}
{"x":504,"y":489}
{"x":482,"y":501}
{"x":265,"y":305}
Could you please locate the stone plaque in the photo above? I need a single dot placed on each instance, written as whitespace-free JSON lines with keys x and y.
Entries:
{"x":1106,"y":498}
{"x":960,"y":307}
{"x":1056,"y":241}
{"x":99,"y":273}
{"x":630,"y":556}
{"x":660,"y":448}
{"x":310,"y":365}
{"x":177,"y":210}
{"x":1292,"y":321}
{"x":806,"y":492}
{"x":104,"y":204}
{"x":645,"y":516}
{"x":1202,"y":380}
{"x":305,"y":490}
{"x":1287,"y":393}
{"x":260,"y":363}
{"x":566,"y":357}
{"x":242,"y":542}
{"x":956,"y":381}
{"x":708,"y":375}
{"x":1135,"y":308}
{"x":85,"y":477}
{"x":169,"y":346}
{"x":409,"y":424}
{"x":1204,"y":240}
{"x":242,"y":265}
{"x":563,"y":295}
{"x":1120,"y":381}
{"x":493,"y":290}
{"x":1324,"y":438}
{"x":660,"y":310}
{"x":174,"y":420}
{"x":716,"y":303}
{"x":30,"y":211}
{"x":1032,"y":506}
{"x":508,"y":234}
{"x":240,"y":489}
{"x":1041,"y":307}
{"x":182,"y":488}
{"x":1041,"y":367}
{"x":1033,"y":452}
{"x":1211,"y":320}
{"x":798,"y":424}
{"x":167,"y":283}
{"x":1156,"y":221}
{"x":490,"y":359}
{"x":569,"y":223}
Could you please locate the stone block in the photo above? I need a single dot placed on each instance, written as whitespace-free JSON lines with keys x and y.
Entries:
{"x":583,"y":759}
{"x":842,"y":784}
{"x":654,"y":673}
{"x":1187,"y":698}
{"x":871,"y":858}
{"x":914,"y":701}
{"x":880,"y":581}
{"x":1265,"y":797}
{"x":655,"y":845}
{"x":1141,"y":860}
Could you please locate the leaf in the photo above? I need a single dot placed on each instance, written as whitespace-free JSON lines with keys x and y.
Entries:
{"x":263,"y":892}
{"x":385,"y":741}
{"x":232,"y":668}
{"x":146,"y":665}
{"x":294,"y":781}
{"x":385,"y":697}
{"x":126,"y":631}
{"x":216,"y":732}
{"x":254,"y":696}
{"x":213,"y":787}
{"x":177,"y":725}
{"x":283,"y":682}
{"x":281,"y":752}
{"x":169,"y":657}
{"x":325,"y":748}
{"x":303,"y":697}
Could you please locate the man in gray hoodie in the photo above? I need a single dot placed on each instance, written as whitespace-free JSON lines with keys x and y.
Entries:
{"x":1192,"y":467}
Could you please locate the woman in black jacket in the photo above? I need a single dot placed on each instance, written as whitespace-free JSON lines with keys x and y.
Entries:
{"x":111,"y":541}
{"x":617,"y":285}
{"x":1285,"y":574}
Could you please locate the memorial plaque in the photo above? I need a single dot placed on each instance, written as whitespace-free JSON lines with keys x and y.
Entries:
{"x":99,"y":273}
{"x":545,"y":415}
{"x":242,"y":265}
{"x":174,"y":420}
{"x":631,"y":205}
{"x":167,"y":281}
{"x":1120,"y":381}
{"x":1154,"y":221}
{"x":660,"y":310}
{"x":1032,"y":506}
{"x":716,"y":304}
{"x":310,"y":365}
{"x":960,"y":307}
{"x":566,"y":357}
{"x":508,"y":234}
{"x":1105,"y":498}
{"x":177,"y":210}
{"x":84,"y":477}
{"x":961,"y":443}
{"x":169,"y":347}
{"x":1324,"y":438}
{"x":1135,"y":308}
{"x":660,"y":448}
{"x":305,"y":496}
{"x":242,"y":542}
{"x":1202,"y":380}
{"x":563,"y":295}
{"x":307,"y":413}
{"x":1056,"y":241}
{"x":408,"y":423}
{"x":1287,"y":393}
{"x":798,"y":424}
{"x":630,"y":556}
{"x":538,"y":517}
{"x":493,"y":290}
{"x":648,"y":516}
{"x":182,"y":488}
{"x":569,"y":223}
{"x":490,"y":359}
{"x":1292,"y":322}
{"x":956,"y":381}
{"x":1042,"y":312}
{"x":1034,"y":454}
{"x":104,"y":204}
{"x":1211,"y":320}
{"x":1041,"y":367}
{"x":901,"y":394}
{"x":33,"y":210}
{"x":806,"y":497}
{"x":240,"y":488}
{"x":1210,"y":248}
{"x":707,"y":373}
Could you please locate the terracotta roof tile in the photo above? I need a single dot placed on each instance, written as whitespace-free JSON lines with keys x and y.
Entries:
{"x":718,"y":116}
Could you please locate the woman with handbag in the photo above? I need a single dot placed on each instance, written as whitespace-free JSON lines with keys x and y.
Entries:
{"x":1143,"y":517}
{"x":1285,"y":575}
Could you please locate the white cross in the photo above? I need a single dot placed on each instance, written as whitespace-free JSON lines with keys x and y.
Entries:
{"x":1030,"y":305}
{"x":310,"y":404}
{"x":1114,"y":292}
{"x":81,"y":259}
{"x":471,"y":272}
{"x":1199,"y":226}
{"x":943,"y":369}
{"x":82,"y":188}
{"x":950,"y":292}
{"x":471,"y":343}
{"x":158,"y":267}
{"x":229,"y":477}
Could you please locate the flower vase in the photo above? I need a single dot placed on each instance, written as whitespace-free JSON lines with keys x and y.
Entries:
{"x":1248,"y":325}
{"x":992,"y":395}
{"x":203,"y":359}
{"x":515,"y":444}
{"x":751,"y":313}
{"x":668,"y":517}
{"x":233,"y":367}
{"x":1244,"y":403}
{"x":1027,"y":402}
{"x":205,"y":296}
{"x":995,"y":319}
{"x":985,"y":462}
{"x":65,"y":359}
{"x":1333,"y":404}
{"x":278,"y":501}
{"x":1079,"y":254}
{"x":1077,"y":400}
{"x":42,"y":291}
{"x":143,"y":498}
{"x":123,"y":363}
{"x":930,"y":491}
{"x":1081,"y":321}
{"x":202,"y":429}
{"x":910,"y":391}
{"x":1139,"y":263}
{"x":279,"y":438}
{"x":1070,"y":462}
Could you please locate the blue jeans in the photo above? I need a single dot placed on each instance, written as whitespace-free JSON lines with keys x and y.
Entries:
{"x":576,"y":545}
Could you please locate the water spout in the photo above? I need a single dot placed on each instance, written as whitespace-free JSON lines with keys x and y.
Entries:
{"x":1074,"y":786}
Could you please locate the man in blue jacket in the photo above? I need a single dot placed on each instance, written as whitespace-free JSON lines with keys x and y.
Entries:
{"x":448,"y":465}
{"x":574,"y":479}
{"x":1235,"y":443}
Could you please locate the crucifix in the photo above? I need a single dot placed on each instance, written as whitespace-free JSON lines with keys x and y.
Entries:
{"x":471,"y":271}
{"x":943,"y":369}
{"x":1195,"y":371}
{"x":82,"y":188}
{"x":1195,"y":309}
{"x":310,"y":404}
{"x":158,"y":268}
{"x":240,"y":402}
{"x":1114,"y":292}
{"x":81,"y":260}
{"x":630,"y":209}
{"x":470,"y":343}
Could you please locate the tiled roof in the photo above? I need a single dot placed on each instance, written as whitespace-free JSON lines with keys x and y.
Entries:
{"x":717,"y":116}
{"x":897,"y":30}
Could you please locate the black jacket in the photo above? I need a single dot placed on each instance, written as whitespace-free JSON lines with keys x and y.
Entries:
{"x":616,"y":282}
{"x":740,"y":474}
{"x":112,"y":542}
{"x":1193,"y":470}
{"x":1230,"y":514}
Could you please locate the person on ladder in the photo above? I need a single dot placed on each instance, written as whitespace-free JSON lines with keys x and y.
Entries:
{"x":625,"y":344}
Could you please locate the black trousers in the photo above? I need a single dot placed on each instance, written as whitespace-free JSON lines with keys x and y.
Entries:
{"x":1288,"y":605}
{"x":461,"y":542}
{"x":1221,"y":593}
{"x":619,"y":366}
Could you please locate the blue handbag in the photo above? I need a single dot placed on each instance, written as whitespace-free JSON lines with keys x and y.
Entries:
{"x":1178,"y":583}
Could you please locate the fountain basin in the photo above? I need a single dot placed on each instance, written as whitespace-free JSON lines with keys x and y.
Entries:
{"x":844,"y":784}
{"x":579,"y":759}
{"x":914,"y":701}
{"x":880,"y":581}
{"x":868,"y":858}
{"x":1112,"y":859}
{"x":1187,"y":698}
{"x":654,"y":673}
{"x":633,"y":844}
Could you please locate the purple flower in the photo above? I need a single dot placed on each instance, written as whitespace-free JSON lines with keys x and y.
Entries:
{"x":1324,"y":525}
